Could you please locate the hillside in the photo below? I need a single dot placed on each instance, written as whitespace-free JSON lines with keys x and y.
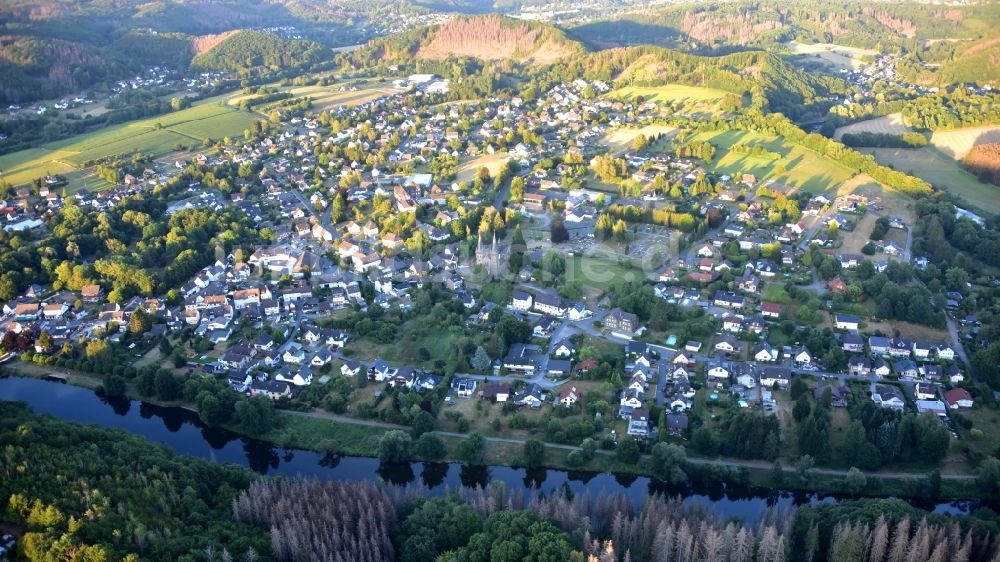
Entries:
{"x":495,"y":37}
{"x":767,"y":78}
{"x":488,"y":38}
{"x":33,"y":68}
{"x":245,"y":50}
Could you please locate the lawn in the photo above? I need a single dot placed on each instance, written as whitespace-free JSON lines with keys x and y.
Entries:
{"x":805,"y":169}
{"x":985,"y":419}
{"x":941,"y":171}
{"x":619,"y":139}
{"x":155,"y":136}
{"x":600,"y":272}
{"x":320,"y":434}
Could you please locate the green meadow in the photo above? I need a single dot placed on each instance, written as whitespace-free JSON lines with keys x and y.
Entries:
{"x":156,"y":136}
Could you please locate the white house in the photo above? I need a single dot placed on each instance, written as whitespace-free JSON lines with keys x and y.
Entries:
{"x":522,"y":301}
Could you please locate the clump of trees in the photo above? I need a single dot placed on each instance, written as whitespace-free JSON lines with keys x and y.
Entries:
{"x":312,"y":520}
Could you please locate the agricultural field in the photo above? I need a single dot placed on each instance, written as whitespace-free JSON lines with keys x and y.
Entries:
{"x":155,"y":136}
{"x":619,"y":139}
{"x":683,"y":98}
{"x":331,"y":96}
{"x":959,"y":142}
{"x":889,"y":125}
{"x":835,"y":56}
{"x":493,"y":162}
{"x":804,"y":169}
{"x":942,"y":171}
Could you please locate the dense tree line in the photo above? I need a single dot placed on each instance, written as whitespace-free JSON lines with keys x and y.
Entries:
{"x":884,"y":140}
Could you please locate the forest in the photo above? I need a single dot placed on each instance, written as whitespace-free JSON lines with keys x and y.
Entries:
{"x":82,"y":493}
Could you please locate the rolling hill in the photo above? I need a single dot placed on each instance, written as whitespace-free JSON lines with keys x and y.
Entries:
{"x":246,"y":49}
{"x":495,"y":37}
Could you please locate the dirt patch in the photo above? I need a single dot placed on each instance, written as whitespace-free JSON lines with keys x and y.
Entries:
{"x":494,"y":38}
{"x":982,"y":46}
{"x":855,"y":240}
{"x":206,"y":43}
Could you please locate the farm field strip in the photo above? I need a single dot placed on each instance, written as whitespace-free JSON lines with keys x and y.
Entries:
{"x":959,"y":142}
{"x":889,"y":125}
{"x":154,"y":136}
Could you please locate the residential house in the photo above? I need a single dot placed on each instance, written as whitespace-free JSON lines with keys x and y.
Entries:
{"x":881,"y":368}
{"x":638,"y":424}
{"x":497,"y":392}
{"x":852,"y":343}
{"x":770,"y":310}
{"x":859,"y":366}
{"x":846,"y":322}
{"x":888,"y":396}
{"x":563,"y":349}
{"x":677,"y":424}
{"x":270,"y":389}
{"x":530,"y":396}
{"x":925,"y":391}
{"x":547,"y":304}
{"x":522,"y":301}
{"x":771,"y":375}
{"x":621,"y":322}
{"x":958,"y":399}
{"x":728,"y":344}
{"x":569,"y":395}
{"x":802,"y":356}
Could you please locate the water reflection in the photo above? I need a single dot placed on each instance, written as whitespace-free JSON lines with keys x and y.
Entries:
{"x":183,"y":432}
{"x":434,"y":473}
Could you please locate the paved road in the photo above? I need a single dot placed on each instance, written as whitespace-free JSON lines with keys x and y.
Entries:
{"x":956,"y":341}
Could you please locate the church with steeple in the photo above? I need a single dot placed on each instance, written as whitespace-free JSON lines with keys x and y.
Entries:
{"x":494,"y":257}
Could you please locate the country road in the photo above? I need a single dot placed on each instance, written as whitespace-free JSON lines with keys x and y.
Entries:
{"x":761,"y":465}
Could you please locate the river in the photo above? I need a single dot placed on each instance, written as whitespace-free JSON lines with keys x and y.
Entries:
{"x":181,"y":431}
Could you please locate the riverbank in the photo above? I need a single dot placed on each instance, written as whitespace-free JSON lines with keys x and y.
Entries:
{"x":329,"y":433}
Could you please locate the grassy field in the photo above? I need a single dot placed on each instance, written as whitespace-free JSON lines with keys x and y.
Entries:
{"x":889,"y":125}
{"x":836,"y":56}
{"x":943,"y":172}
{"x":686,"y":99}
{"x":154,"y":136}
{"x":619,"y":139}
{"x":493,"y":162}
{"x":600,"y":272}
{"x":959,"y":142}
{"x":328,"y":97}
{"x":805,"y":169}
